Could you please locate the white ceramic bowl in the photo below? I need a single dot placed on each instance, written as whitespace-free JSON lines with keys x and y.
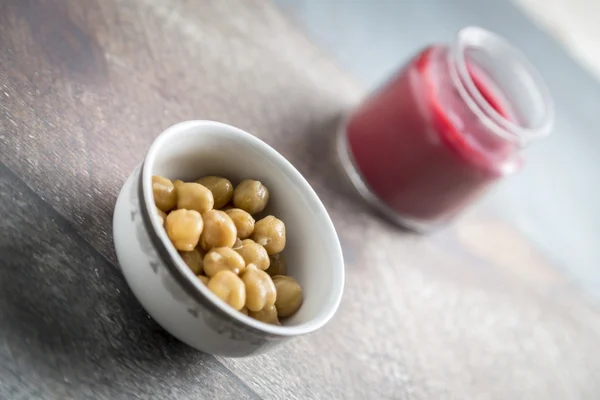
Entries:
{"x":167,"y":288}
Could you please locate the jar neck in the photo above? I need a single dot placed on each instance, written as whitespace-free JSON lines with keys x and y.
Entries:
{"x":500,"y":86}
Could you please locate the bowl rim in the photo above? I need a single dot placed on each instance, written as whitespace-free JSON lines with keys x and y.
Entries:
{"x":187,"y":279}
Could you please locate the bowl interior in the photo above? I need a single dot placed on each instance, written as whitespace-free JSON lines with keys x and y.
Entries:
{"x":193,"y":149}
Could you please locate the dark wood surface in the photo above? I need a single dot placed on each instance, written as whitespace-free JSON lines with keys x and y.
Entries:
{"x":473,"y":312}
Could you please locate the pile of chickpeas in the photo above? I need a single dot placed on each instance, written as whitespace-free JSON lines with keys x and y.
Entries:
{"x":212,"y":225}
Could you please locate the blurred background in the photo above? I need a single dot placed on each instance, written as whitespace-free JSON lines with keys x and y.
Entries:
{"x":554,"y":199}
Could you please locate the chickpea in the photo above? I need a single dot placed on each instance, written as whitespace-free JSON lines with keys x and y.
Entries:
{"x":204,"y":279}
{"x":193,"y":196}
{"x":254,"y":253}
{"x":244,"y":223}
{"x":221,"y":189}
{"x":229,"y":288}
{"x":177,"y":182}
{"x":163,"y":190}
{"x":223,"y":258}
{"x":237,"y":244}
{"x":267,"y":314}
{"x":160,"y":216}
{"x":244,"y":310}
{"x":289,"y":295}
{"x":193,"y":259}
{"x":184,"y":228}
{"x":219,"y":230}
{"x":277,"y":266}
{"x":260,"y":290}
{"x":270,"y":233}
{"x":251,"y":196}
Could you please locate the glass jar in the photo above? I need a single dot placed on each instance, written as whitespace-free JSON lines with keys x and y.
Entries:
{"x":445,"y":128}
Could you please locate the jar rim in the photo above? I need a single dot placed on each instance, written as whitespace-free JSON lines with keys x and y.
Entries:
{"x":490,"y":42}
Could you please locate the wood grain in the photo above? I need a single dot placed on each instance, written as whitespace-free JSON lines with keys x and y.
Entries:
{"x":86,"y":87}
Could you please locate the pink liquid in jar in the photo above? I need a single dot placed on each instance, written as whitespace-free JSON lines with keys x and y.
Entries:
{"x":427,"y":144}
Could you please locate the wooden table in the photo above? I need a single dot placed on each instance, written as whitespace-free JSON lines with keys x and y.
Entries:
{"x":473,"y":312}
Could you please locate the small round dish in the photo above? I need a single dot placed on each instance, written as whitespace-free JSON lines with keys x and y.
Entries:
{"x":169,"y":290}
